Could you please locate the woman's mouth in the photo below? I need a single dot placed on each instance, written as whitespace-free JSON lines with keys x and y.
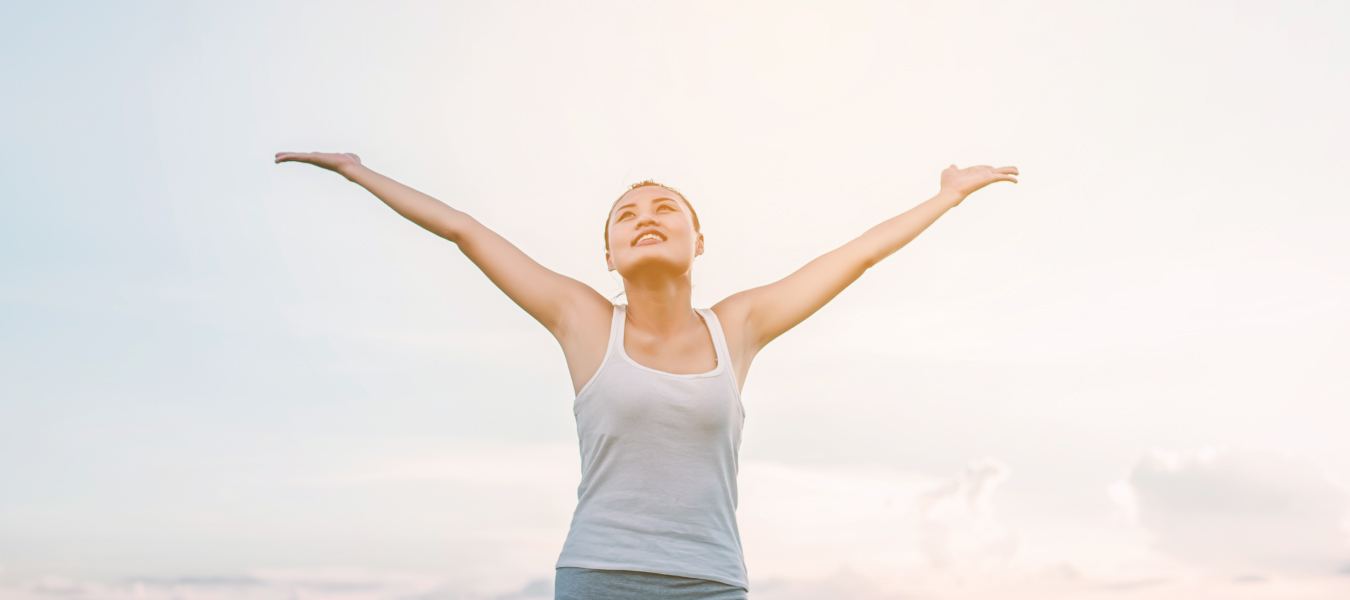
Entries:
{"x":648,"y":239}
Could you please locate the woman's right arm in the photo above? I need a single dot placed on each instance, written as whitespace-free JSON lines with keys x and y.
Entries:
{"x":552,"y":299}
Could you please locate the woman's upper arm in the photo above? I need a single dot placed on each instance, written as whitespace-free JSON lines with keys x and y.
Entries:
{"x":771,"y":310}
{"x":732,"y":314}
{"x":551,"y":298}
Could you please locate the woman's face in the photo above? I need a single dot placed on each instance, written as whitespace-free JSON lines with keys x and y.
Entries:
{"x":651,"y":232}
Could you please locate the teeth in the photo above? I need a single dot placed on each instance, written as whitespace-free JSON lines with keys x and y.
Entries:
{"x":652,"y":236}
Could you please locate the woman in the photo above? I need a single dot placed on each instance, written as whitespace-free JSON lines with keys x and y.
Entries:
{"x":657,"y":381}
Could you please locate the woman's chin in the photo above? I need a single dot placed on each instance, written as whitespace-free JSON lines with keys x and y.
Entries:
{"x":654,"y":265}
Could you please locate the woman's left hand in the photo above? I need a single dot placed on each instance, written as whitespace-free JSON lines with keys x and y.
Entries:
{"x":964,"y":182}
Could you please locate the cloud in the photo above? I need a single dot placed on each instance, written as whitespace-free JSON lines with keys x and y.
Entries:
{"x":809,"y":522}
{"x":286,"y":584}
{"x":336,"y":584}
{"x":956,"y":520}
{"x":1242,"y":508}
{"x":868,"y":532}
{"x":846,"y":584}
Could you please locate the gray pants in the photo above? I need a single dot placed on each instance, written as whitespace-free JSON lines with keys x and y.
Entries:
{"x":573,"y":583}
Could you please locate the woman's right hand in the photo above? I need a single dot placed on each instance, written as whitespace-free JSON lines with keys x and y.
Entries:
{"x":341,"y":164}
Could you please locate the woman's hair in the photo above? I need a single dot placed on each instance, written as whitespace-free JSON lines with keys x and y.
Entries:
{"x":646,"y":183}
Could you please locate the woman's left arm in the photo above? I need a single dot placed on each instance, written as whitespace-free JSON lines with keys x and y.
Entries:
{"x":769,"y":311}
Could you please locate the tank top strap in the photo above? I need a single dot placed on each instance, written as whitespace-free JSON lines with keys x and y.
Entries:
{"x":616,"y":328}
{"x":719,"y":338}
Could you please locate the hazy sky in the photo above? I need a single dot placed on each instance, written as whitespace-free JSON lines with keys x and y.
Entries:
{"x":1124,"y":376}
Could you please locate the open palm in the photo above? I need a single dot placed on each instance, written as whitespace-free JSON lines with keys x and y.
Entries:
{"x":332,"y":161}
{"x":966,"y":181}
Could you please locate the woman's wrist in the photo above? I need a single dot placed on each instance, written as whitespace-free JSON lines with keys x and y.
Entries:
{"x":950,"y":197}
{"x":352,"y":171}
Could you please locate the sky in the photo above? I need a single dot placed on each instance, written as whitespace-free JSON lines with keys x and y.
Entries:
{"x":1123,"y":377}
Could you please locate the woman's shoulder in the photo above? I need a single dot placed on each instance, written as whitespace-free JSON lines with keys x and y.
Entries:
{"x":732,"y":309}
{"x":733,"y":315}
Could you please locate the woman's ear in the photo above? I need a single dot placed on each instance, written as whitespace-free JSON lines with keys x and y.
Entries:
{"x":698,"y":246}
{"x":609,"y":260}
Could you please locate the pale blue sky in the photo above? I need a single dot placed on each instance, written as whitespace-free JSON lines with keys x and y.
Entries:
{"x":211,"y":365}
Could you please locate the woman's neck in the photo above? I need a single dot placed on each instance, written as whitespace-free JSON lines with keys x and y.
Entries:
{"x":663,"y":306}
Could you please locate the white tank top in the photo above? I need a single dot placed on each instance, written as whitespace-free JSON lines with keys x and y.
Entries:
{"x":658,"y":467}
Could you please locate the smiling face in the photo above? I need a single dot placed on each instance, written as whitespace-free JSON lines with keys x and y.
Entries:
{"x":652,"y":232}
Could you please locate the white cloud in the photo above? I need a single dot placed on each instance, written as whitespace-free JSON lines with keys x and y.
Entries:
{"x":957,"y":528}
{"x":855,"y":533}
{"x":844,"y":584}
{"x":839,"y":526}
{"x":318,"y":584}
{"x":1244,"y":509}
{"x":809,"y":522}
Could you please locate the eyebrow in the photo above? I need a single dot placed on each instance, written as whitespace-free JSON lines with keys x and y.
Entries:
{"x":632,"y":204}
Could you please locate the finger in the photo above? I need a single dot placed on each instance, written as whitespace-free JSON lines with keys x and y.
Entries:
{"x":1008,"y":178}
{"x":1007,"y":170}
{"x":304,"y":157}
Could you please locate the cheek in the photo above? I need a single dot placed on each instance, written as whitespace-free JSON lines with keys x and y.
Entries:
{"x":618,"y":254}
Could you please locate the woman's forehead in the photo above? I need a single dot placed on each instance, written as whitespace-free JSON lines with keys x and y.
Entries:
{"x":644,"y":195}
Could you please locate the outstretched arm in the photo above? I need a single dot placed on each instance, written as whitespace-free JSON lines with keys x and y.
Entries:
{"x":769,"y":311}
{"x":547,"y":296}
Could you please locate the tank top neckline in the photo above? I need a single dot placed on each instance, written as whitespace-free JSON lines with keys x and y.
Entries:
{"x":709,"y":321}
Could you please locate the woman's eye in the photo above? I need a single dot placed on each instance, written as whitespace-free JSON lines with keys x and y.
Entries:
{"x":625,"y":216}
